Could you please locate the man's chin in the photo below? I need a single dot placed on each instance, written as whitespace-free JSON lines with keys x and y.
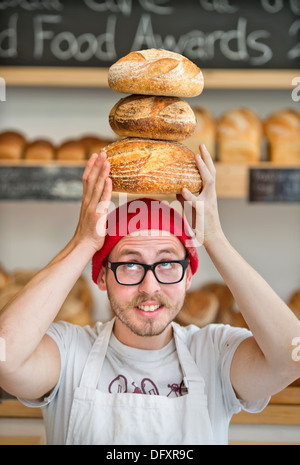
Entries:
{"x":142,"y":325}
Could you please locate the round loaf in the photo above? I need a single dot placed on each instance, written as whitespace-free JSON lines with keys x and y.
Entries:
{"x":282,"y":130}
{"x":11,"y":145}
{"x":39,"y":150}
{"x":141,"y":166}
{"x":150,"y":117}
{"x":283,"y":124}
{"x":205,"y":132}
{"x":156,"y":72}
{"x":200,"y":308}
{"x":239,"y":136}
{"x":94,"y":144}
{"x":4,"y":278}
{"x":71,"y":150}
{"x":294,"y":303}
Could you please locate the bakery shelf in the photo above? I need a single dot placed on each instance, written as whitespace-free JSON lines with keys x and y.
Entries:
{"x":97,"y":77}
{"x":232,"y":179}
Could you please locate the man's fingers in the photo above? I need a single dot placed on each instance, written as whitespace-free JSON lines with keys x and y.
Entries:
{"x":99,"y":185}
{"x":207,"y":176}
{"x":94,"y":174}
{"x":89,"y":166}
{"x":207,"y":159}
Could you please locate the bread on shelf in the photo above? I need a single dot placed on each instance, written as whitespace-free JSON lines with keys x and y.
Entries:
{"x":240,"y":134}
{"x":94,"y":144}
{"x":11,"y":145}
{"x":282,"y":130}
{"x":40,"y":149}
{"x":72,"y":150}
{"x":205,"y":132}
{"x":152,"y":117}
{"x":77,"y":307}
{"x":4,"y":278}
{"x":200,"y":308}
{"x":294,"y":303}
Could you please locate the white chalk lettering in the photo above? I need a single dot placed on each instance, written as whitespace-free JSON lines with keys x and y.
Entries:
{"x":8,"y":39}
{"x":235,"y":44}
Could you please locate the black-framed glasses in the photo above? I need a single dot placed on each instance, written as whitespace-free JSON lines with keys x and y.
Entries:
{"x":133,"y":273}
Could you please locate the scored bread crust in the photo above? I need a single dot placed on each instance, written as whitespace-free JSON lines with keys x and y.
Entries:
{"x":152,"y":117}
{"x":141,"y":166}
{"x":156,"y":72}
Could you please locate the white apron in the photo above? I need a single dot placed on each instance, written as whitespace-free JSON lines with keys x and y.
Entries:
{"x":138,"y":419}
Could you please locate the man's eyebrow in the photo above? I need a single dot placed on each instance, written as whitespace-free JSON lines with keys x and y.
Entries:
{"x":170,"y":251}
{"x":129,"y":252}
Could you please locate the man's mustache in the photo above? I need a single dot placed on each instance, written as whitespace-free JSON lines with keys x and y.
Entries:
{"x":139,"y":300}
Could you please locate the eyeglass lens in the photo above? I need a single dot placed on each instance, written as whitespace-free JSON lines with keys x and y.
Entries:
{"x":165,"y":272}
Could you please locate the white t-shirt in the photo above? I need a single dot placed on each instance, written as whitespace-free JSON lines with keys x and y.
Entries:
{"x":152,"y":372}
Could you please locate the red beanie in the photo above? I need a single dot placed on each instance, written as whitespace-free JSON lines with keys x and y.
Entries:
{"x":139,"y":215}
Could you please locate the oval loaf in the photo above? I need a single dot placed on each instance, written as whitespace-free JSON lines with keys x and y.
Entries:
{"x":150,"y":117}
{"x":151,"y":166}
{"x":156,"y":72}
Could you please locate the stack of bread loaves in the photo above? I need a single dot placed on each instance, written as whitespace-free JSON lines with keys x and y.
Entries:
{"x":150,"y":159}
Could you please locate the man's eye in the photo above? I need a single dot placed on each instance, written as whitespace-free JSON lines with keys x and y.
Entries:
{"x":132,"y":266}
{"x":165,"y":265}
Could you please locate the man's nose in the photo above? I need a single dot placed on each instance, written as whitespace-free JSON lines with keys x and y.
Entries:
{"x":149,"y":283}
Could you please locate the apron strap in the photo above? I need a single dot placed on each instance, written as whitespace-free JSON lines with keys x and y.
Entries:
{"x":192,"y":378}
{"x":95,"y":360}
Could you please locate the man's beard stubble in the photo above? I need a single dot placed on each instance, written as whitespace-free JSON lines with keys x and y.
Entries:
{"x":151,"y":326}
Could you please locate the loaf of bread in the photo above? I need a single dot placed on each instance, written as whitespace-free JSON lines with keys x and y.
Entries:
{"x":11,"y":145}
{"x":152,"y":166}
{"x":240,"y":134}
{"x":150,"y":117}
{"x":156,"y":72}
{"x":40,"y":149}
{"x":225,"y":300}
{"x":4,"y":278}
{"x":205,"y":132}
{"x":21,"y":276}
{"x":71,"y":150}
{"x":294,"y":303}
{"x":8,"y":293}
{"x":282,"y":130}
{"x":94,"y":144}
{"x":200,"y":308}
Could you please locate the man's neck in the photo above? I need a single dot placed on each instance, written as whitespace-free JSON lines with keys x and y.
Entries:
{"x":128,"y":338}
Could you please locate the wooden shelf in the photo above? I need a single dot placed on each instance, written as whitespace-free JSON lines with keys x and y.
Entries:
{"x":97,"y":77}
{"x":232,"y":179}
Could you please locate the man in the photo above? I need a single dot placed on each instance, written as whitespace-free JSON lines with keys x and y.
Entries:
{"x":141,"y":379}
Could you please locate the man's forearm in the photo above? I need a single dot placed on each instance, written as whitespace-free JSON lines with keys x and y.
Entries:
{"x":272,"y":323}
{"x":25,"y":320}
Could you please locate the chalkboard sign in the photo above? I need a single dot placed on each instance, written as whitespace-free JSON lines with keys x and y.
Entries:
{"x":41,"y":183}
{"x":274,"y":185}
{"x":229,"y":34}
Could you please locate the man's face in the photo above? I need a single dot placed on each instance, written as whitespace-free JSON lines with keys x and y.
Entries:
{"x":146,"y":309}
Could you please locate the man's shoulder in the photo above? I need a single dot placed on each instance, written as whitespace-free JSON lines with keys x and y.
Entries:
{"x":210,"y":334}
{"x":63,"y":331}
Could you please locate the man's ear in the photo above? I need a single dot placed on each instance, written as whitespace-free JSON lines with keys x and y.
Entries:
{"x":101,"y":281}
{"x":189,"y":276}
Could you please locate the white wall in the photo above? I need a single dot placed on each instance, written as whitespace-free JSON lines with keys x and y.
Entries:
{"x":31,"y":233}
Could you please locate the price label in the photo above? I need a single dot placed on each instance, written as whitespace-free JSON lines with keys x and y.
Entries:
{"x":40,"y":183}
{"x":274,"y":185}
